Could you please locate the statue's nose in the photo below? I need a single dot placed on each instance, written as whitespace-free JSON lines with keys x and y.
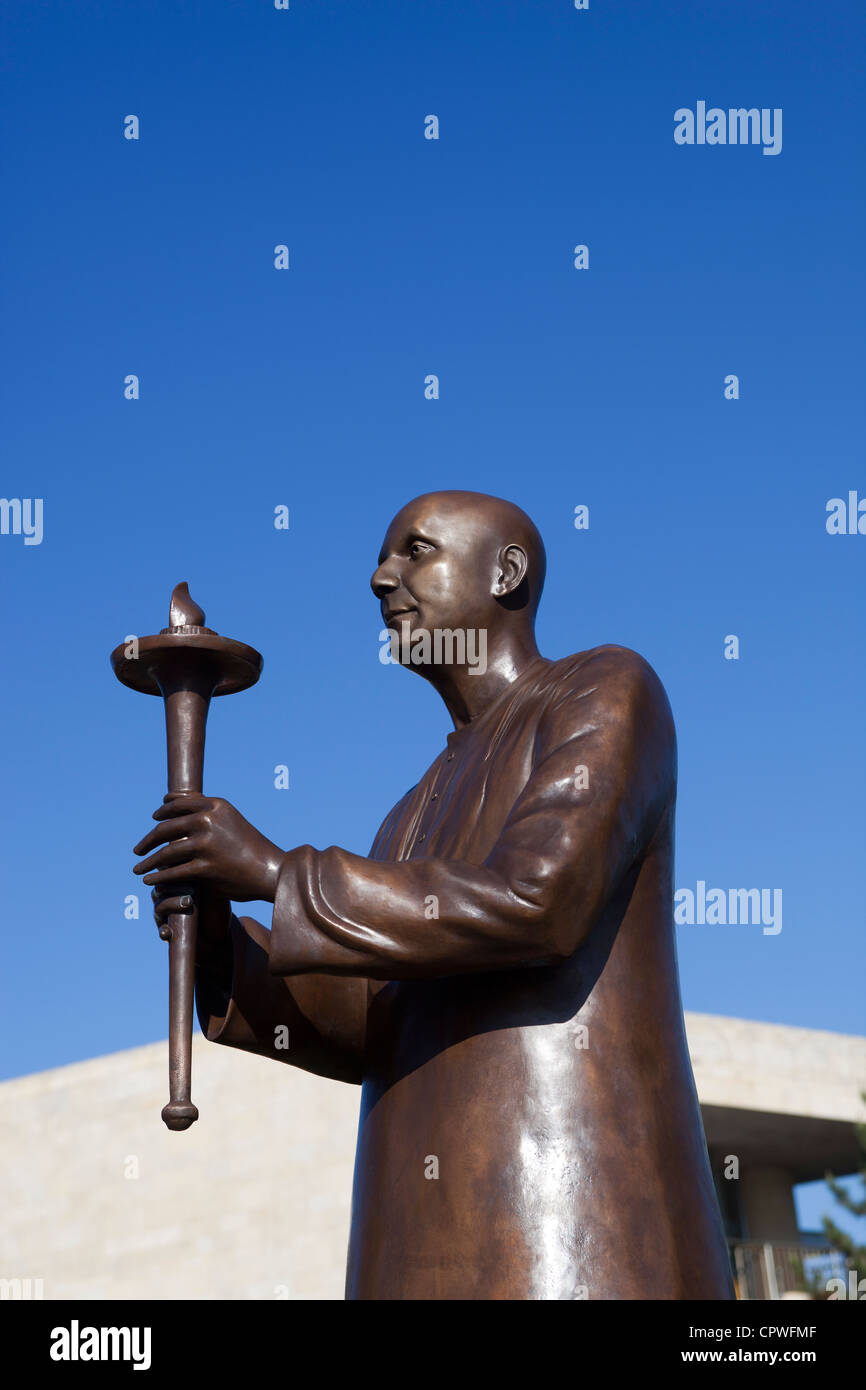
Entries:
{"x":384,"y":581}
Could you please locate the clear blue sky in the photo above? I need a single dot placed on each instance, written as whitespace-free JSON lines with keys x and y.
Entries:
{"x":305,"y":387}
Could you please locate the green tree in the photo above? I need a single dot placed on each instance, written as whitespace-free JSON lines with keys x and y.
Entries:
{"x":855,"y":1255}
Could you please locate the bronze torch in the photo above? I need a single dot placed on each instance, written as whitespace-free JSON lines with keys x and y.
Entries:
{"x":186,"y":664}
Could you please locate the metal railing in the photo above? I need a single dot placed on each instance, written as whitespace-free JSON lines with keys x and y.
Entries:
{"x":767,"y":1270}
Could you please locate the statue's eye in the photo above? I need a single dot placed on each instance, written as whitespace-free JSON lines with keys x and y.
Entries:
{"x":417,"y":548}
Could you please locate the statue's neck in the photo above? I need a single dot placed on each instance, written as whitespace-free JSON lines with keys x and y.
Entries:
{"x":470,"y":689}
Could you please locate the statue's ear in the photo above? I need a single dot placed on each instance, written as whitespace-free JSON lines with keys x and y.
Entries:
{"x":512,"y":564}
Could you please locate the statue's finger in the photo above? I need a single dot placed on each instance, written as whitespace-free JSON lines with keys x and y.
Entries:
{"x":195,"y":869}
{"x":168,"y":905}
{"x":171,"y":854}
{"x":181,"y":804}
{"x":174,"y":830}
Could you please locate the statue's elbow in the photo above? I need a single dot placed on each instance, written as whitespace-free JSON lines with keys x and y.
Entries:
{"x":560,"y":930}
{"x":548,"y":936}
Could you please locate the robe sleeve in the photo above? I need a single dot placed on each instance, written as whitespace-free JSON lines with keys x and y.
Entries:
{"x":316,"y":1023}
{"x":603,"y":774}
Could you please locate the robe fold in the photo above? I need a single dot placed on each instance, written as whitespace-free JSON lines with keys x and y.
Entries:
{"x":499,"y":975}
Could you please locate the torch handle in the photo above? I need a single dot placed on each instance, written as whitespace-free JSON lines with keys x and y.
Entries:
{"x":186,"y":707}
{"x":180,"y":1112}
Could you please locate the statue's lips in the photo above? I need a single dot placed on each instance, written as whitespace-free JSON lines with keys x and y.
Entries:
{"x":401,"y":615}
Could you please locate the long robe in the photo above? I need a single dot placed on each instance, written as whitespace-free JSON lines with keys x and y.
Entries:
{"x":499,"y":975}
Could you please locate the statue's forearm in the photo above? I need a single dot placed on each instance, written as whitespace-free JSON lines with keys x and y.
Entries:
{"x":342,"y":915}
{"x":316,"y":1022}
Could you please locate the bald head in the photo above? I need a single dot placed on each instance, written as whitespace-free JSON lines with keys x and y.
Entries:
{"x":497,"y":524}
{"x":490,"y":546}
{"x":468,"y":569}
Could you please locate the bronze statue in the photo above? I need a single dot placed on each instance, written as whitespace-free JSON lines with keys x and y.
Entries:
{"x":499,"y":974}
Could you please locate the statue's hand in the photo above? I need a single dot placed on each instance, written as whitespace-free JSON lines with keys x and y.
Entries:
{"x":214,"y":911}
{"x":205,"y":838}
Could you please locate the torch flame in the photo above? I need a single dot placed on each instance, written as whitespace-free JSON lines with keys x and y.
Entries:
{"x":184,"y":611}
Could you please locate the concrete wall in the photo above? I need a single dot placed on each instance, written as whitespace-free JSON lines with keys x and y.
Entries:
{"x":251,"y":1202}
{"x":101,"y":1201}
{"x":770,"y":1067}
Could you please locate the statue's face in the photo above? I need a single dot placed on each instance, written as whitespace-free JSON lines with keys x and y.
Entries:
{"x":437,"y":568}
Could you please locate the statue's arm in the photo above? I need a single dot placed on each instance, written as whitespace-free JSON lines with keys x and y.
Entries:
{"x":314,"y":1022}
{"x":566,"y":848}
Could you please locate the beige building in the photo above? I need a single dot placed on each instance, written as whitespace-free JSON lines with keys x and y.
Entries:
{"x":101,"y":1201}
